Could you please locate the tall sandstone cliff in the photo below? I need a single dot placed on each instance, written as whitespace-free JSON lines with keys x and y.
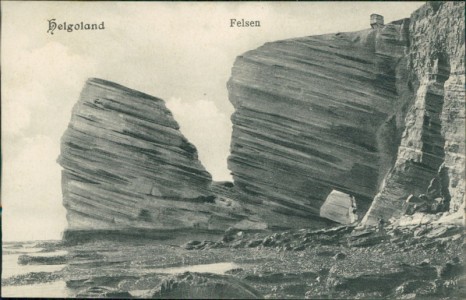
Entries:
{"x":315,"y":114}
{"x":127,"y":166}
{"x":377,"y":114}
{"x":431,"y":156}
{"x":363,"y":113}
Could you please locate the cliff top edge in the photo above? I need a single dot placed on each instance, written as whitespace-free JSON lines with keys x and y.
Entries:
{"x":110,"y":85}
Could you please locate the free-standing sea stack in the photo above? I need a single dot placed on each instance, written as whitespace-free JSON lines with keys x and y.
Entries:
{"x":127,"y":167}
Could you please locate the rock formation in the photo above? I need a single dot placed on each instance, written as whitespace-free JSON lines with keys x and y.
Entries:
{"x":375,"y":113}
{"x":430,"y":158}
{"x":127,"y":167}
{"x":315,"y":114}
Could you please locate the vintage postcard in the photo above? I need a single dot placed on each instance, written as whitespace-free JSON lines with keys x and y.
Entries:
{"x":193,"y":150}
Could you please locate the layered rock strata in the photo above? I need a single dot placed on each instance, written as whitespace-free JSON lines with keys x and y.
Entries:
{"x":431,"y":156}
{"x":375,"y":113}
{"x":315,"y":114}
{"x":126,"y":166}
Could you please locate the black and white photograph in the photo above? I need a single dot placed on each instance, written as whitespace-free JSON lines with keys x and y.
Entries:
{"x":233,"y":150}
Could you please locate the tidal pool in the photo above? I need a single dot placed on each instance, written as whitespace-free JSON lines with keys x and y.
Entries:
{"x":217,"y":268}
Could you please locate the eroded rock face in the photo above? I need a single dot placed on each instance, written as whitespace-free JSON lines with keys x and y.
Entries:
{"x":431,"y":156}
{"x":315,"y":114}
{"x":126,"y":165}
{"x":376,"y":113}
{"x":379,"y":112}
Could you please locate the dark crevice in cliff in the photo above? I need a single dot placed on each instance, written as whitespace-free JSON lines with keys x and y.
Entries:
{"x":435,"y":5}
{"x":433,"y":146}
{"x":433,"y":142}
{"x":444,"y":182}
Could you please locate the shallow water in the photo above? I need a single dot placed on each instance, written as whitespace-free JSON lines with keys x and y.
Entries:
{"x":217,"y":268}
{"x":58,"y":288}
{"x":12,"y":251}
{"x":10,"y":267}
{"x":48,"y":254}
{"x":52,"y":289}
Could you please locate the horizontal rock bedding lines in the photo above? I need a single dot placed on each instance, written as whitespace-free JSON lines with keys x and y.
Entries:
{"x":433,"y":141}
{"x":307,"y":115}
{"x":378,"y":112}
{"x":126,"y":165}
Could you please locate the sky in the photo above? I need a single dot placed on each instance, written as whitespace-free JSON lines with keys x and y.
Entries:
{"x":180,"y":52}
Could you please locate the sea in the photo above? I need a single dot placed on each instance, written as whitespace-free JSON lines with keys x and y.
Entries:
{"x":27,"y":280}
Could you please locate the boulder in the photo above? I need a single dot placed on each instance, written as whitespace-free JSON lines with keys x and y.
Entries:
{"x":339,"y":207}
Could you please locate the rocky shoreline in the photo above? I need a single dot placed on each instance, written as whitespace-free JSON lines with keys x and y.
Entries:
{"x":396,"y":262}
